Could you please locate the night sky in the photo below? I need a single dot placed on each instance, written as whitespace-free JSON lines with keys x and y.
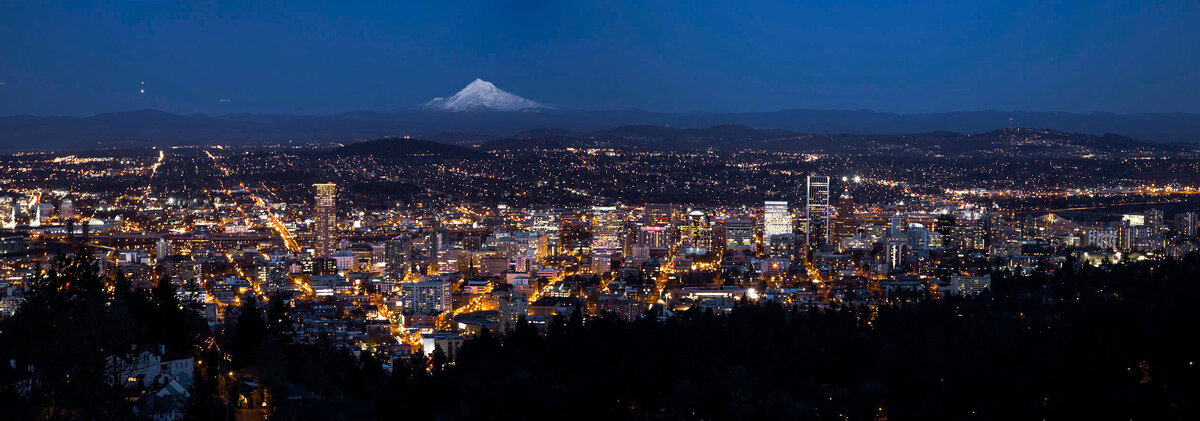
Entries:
{"x":1079,"y":56}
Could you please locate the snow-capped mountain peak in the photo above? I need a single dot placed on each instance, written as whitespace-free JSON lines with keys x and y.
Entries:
{"x":483,"y":95}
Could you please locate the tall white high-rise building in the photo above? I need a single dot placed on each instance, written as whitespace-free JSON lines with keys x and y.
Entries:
{"x":606,"y":229}
{"x":776,"y":219}
{"x":817,"y":211}
{"x":548,"y":223}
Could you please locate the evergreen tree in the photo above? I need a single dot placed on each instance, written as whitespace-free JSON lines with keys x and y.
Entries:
{"x":69,"y":342}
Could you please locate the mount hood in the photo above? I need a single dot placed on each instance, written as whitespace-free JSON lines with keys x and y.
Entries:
{"x":482,"y":95}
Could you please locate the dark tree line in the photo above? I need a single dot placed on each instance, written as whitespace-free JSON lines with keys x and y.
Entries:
{"x":1080,"y":344}
{"x":1087,"y":343}
{"x":57,"y":347}
{"x":1090,"y":343}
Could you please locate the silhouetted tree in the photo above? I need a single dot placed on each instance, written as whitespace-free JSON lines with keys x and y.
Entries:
{"x":67,"y":344}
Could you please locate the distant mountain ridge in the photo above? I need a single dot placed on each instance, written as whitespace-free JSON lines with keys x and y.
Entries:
{"x":1008,"y":142}
{"x":152,"y":127}
{"x":404,"y":149}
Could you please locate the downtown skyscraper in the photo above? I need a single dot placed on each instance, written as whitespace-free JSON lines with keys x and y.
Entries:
{"x":548,"y":223}
{"x":325,"y":212}
{"x":817,"y":208}
{"x":606,"y":229}
{"x":776,"y":219}
{"x":845,"y":225}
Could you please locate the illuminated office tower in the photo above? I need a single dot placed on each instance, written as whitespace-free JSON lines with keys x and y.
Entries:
{"x":629,"y":236}
{"x":45,"y":211}
{"x":658,"y":214}
{"x":918,"y":237}
{"x":162,"y":248}
{"x":817,"y":233}
{"x":325,"y":212}
{"x":944,"y":226}
{"x":776,"y":219}
{"x":657,"y":231}
{"x":41,"y":214}
{"x":549,"y":223}
{"x":1154,"y":218}
{"x":66,"y":210}
{"x":699,"y":232}
{"x":782,"y":246}
{"x":606,"y":229}
{"x":896,"y":226}
{"x":1185,"y":224}
{"x":8,"y":212}
{"x":397,"y":252}
{"x":739,"y":231}
{"x":846,"y":224}
{"x":653,"y":237}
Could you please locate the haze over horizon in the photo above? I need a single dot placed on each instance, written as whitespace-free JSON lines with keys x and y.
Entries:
{"x":1073,"y":56}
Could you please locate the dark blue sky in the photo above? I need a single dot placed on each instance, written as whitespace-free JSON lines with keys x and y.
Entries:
{"x":1081,"y":56}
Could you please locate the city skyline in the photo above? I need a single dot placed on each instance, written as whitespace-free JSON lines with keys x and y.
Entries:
{"x":416,"y":259}
{"x":599,"y":210}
